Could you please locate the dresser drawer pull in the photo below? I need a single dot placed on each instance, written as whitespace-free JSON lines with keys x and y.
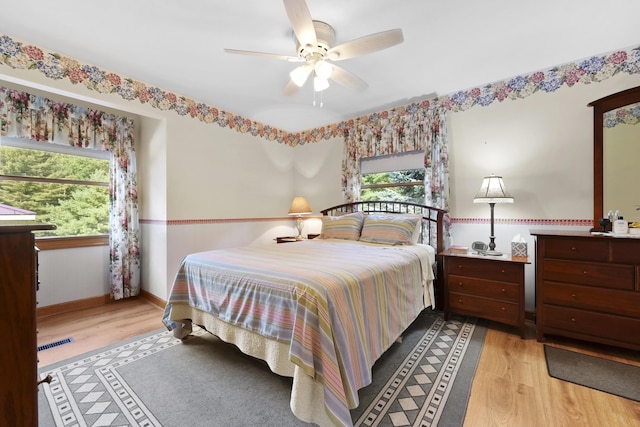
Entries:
{"x":459,"y":267}
{"x":504,"y":291}
{"x":574,"y":296}
{"x":585,"y":272}
{"x":460,"y":284}
{"x":573,"y":319}
{"x":460,"y":300}
{"x":502,"y":271}
{"x":503,"y":309}
{"x":573,"y":248}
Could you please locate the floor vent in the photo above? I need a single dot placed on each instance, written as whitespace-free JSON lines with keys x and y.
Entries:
{"x":55,"y":344}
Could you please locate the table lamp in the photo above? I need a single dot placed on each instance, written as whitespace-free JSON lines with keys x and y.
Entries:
{"x":299,"y":207}
{"x":492,"y":191}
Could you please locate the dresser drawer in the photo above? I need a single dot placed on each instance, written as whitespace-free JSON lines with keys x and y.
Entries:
{"x":485,"y":269}
{"x":609,"y":327}
{"x":500,"y":311}
{"x":613,"y":301}
{"x":578,"y":249}
{"x":613,"y":276}
{"x":486,"y":288}
{"x":625,"y":251}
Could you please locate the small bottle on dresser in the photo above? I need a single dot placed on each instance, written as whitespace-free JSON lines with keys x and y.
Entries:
{"x":620,"y":226}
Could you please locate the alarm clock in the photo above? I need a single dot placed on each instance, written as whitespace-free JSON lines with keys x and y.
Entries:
{"x":479,"y":247}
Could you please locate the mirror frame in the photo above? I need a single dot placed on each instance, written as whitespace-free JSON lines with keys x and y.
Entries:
{"x":601,"y":106}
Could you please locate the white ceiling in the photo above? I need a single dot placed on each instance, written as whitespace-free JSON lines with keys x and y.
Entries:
{"x":448,"y":46}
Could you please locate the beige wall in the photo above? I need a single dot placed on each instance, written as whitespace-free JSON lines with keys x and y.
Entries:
{"x":541,"y":145}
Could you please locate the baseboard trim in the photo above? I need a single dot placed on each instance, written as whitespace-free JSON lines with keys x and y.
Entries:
{"x":146,"y":295}
{"x":75,"y":305}
{"x":81,"y":304}
{"x":530,"y":315}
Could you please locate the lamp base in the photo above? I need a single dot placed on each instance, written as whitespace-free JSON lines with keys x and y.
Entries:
{"x":299,"y":227}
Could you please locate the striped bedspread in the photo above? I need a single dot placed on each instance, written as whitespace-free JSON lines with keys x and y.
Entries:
{"x":338,"y":304}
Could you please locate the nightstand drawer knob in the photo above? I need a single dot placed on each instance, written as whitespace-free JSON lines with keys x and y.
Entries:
{"x":460,"y":284}
{"x":585,"y":272}
{"x":459,"y":267}
{"x":573,"y":319}
{"x":503,"y":309}
{"x":460,"y":300}
{"x":573,"y":296}
{"x":504,"y":291}
{"x":502,"y":271}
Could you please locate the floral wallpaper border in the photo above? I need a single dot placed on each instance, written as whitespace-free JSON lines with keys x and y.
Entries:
{"x":19,"y":55}
{"x":626,"y":115}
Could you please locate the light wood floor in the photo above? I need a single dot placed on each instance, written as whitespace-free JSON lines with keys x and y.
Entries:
{"x":511,"y":386}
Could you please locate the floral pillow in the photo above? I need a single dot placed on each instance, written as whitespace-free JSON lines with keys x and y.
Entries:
{"x":346,"y":227}
{"x":390,"y":229}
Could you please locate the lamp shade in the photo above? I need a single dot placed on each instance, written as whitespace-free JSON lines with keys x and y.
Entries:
{"x":299,"y":206}
{"x":492,"y":191}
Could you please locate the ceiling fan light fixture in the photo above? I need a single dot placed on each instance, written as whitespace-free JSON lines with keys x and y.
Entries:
{"x":323,"y":69}
{"x":320,"y":84}
{"x":300,"y":74}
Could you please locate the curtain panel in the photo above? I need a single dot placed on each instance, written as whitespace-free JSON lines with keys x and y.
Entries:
{"x":423,"y":129}
{"x":27,"y":116}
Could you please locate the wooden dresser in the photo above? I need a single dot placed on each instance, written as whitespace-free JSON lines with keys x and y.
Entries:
{"x":588,"y":287}
{"x":18,"y":352}
{"x":490,"y":287}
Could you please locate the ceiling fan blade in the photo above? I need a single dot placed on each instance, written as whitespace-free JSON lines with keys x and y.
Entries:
{"x":301,"y":21}
{"x":366,"y":44}
{"x":348,"y":79}
{"x":266,"y":55}
{"x":290,"y":88}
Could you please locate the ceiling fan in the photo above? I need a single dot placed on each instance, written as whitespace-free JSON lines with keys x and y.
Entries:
{"x":315,"y":50}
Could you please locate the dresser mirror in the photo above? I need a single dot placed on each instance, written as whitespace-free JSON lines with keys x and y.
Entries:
{"x":616,"y":150}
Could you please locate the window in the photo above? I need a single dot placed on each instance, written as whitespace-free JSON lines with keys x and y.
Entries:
{"x":393,"y":178}
{"x":65,"y":186}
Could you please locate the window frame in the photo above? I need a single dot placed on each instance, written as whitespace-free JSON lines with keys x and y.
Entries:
{"x":60,"y":242}
{"x":411,"y":160}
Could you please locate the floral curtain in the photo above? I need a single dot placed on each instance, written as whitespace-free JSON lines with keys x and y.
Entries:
{"x":400,"y":132}
{"x":23,"y":115}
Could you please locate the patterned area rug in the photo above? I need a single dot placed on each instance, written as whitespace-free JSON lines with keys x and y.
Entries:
{"x":157,"y":380}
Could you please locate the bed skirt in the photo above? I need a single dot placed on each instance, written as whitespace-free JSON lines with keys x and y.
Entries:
{"x":307,"y":395}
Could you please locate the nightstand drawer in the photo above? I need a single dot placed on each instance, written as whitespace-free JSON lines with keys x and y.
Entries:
{"x":487,"y":308}
{"x":614,"y":276}
{"x":486,"y":288}
{"x":485,"y":268}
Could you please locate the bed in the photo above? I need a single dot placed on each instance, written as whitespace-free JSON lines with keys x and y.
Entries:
{"x":320,"y":311}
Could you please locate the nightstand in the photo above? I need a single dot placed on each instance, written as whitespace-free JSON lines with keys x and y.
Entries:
{"x":490,"y":287}
{"x":289,"y":239}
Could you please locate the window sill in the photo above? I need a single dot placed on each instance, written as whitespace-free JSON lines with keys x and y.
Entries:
{"x":50,"y":243}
